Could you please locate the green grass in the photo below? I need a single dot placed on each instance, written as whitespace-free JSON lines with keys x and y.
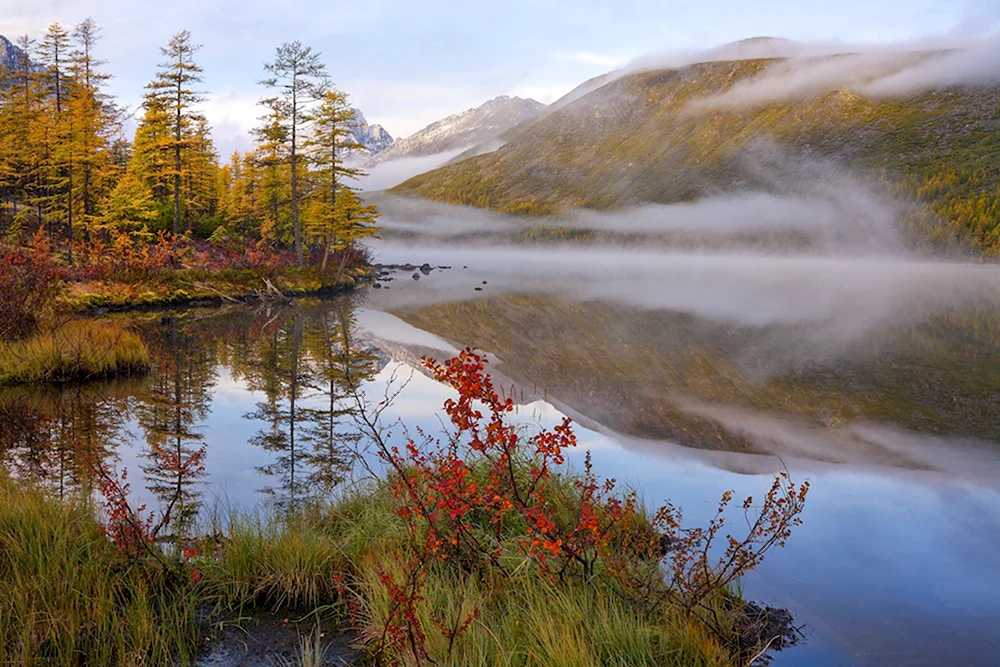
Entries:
{"x":68,"y":598}
{"x":276,"y":563}
{"x":527,"y":621}
{"x":76,"y":350}
{"x":523,"y":620}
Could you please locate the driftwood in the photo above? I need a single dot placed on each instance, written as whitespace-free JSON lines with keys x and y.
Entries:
{"x":272,"y":294}
{"x":225,"y":297}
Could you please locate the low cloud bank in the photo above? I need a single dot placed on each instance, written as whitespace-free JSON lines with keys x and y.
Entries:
{"x":828,"y":209}
{"x":385,"y":175}
{"x":887,"y":71}
{"x":829,"y":300}
{"x":802,"y":70}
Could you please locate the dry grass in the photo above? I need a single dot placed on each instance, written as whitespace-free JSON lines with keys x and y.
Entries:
{"x":76,"y":350}
{"x":68,"y":598}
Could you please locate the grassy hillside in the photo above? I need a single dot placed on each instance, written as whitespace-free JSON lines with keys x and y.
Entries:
{"x":639,"y":139}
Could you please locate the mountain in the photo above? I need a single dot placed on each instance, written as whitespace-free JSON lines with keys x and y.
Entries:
{"x":472,"y":127}
{"x":9,"y":54}
{"x":374,"y":138}
{"x":917,"y":126}
{"x":745,"y":49}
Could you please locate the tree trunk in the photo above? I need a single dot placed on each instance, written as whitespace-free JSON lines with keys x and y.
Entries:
{"x":295,"y":177}
{"x":291,"y":413}
{"x":333,"y":198}
{"x":348,"y":251}
{"x":69,"y":202}
{"x":177,"y":166}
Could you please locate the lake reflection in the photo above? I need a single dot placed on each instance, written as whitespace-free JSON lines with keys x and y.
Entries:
{"x":260,"y":387}
{"x":895,"y":564}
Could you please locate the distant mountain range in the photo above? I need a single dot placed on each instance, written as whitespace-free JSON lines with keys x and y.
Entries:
{"x":473,"y":127}
{"x":923,"y":127}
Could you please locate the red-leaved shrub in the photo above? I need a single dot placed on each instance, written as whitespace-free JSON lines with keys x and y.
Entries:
{"x":485,"y":485}
{"x":28,"y":280}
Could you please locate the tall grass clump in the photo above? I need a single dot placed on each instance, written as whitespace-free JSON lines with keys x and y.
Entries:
{"x":275,"y":562}
{"x":77,"y":350}
{"x":68,"y":596}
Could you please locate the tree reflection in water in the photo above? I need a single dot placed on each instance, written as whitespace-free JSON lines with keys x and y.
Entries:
{"x":54,"y":436}
{"x":302,"y":362}
{"x":308,"y":366}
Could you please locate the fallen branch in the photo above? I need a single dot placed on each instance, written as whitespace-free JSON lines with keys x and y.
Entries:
{"x":272,"y":293}
{"x":226,"y":297}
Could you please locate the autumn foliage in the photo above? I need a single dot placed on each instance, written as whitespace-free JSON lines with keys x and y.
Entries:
{"x":134,"y":530}
{"x":488,"y":497}
{"x":127,"y":258}
{"x":28,"y":278}
{"x":485,"y":506}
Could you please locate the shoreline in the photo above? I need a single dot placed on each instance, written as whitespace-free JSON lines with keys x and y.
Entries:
{"x":215,"y":300}
{"x":74,"y":345}
{"x":209,"y":295}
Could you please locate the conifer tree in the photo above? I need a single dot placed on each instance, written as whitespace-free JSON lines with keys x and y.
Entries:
{"x":150,"y":159}
{"x":355,"y":221}
{"x":53,"y":129}
{"x":95,"y":120}
{"x":299,"y":80}
{"x":272,"y":158}
{"x":128,"y":208}
{"x":332,"y":135}
{"x":20,"y":104}
{"x":173,"y":92}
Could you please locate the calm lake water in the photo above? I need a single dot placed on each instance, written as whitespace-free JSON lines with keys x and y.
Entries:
{"x":876,"y":379}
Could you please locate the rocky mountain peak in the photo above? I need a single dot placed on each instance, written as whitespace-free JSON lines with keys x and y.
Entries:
{"x":374,"y":138}
{"x":9,"y":53}
{"x":465,"y":129}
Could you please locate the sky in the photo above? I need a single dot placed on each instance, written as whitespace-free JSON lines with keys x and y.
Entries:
{"x":407,"y":63}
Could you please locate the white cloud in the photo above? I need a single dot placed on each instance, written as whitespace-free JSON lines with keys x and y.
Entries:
{"x":385,"y":175}
{"x":592,"y":58}
{"x":878,"y":71}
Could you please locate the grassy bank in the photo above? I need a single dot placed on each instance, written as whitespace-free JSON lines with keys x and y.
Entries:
{"x":40,"y":289}
{"x":188,"y":286}
{"x":75,"y":350}
{"x":481,"y":548}
{"x":67,"y":597}
{"x":70,"y":598}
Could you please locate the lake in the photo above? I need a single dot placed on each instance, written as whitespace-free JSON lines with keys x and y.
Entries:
{"x":687,"y":374}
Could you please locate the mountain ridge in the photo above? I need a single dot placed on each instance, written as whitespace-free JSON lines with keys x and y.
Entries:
{"x":9,"y":53}
{"x":641,"y":138}
{"x":467,"y":128}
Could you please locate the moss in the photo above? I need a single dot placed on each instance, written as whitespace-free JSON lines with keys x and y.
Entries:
{"x":193,"y":285}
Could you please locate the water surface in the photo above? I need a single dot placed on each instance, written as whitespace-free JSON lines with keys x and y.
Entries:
{"x":876,"y":380}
